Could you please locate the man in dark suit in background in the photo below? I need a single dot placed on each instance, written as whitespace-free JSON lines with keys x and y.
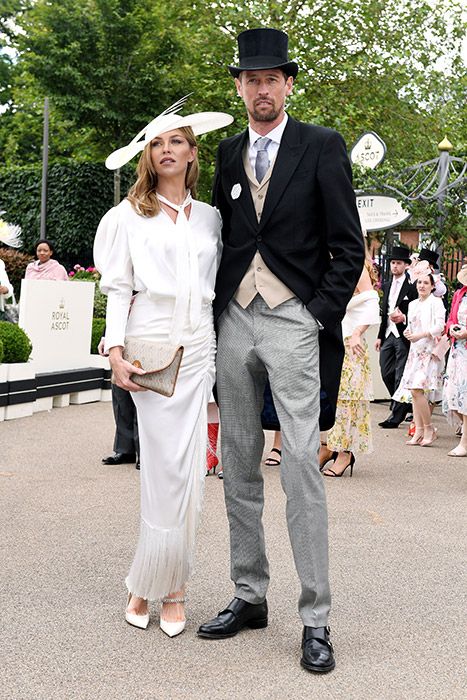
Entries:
{"x":392,"y":345}
{"x":292,"y":255}
{"x":126,"y":442}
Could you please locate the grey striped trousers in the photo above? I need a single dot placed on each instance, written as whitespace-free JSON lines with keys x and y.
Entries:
{"x":282,"y":344}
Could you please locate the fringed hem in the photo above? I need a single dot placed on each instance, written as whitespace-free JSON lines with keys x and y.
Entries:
{"x":162,"y":562}
{"x":164,"y":556}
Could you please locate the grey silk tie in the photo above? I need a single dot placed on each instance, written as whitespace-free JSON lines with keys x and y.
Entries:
{"x":262,"y":158}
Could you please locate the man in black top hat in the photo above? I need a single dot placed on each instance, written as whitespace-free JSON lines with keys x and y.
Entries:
{"x":292,"y":255}
{"x":392,"y":345}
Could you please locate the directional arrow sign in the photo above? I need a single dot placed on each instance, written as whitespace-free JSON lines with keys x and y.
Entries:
{"x":378,"y":213}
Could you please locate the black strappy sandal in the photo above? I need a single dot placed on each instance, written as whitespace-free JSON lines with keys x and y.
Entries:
{"x":333,"y":457}
{"x":272,"y":461}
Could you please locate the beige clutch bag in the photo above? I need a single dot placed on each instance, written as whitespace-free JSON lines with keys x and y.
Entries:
{"x":160,"y":361}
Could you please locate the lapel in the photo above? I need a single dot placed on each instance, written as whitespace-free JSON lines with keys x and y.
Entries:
{"x":403,"y":290}
{"x":288,"y":157}
{"x":386,"y":290}
{"x":234,"y":171}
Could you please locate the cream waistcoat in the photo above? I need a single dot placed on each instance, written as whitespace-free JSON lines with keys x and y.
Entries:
{"x":258,"y":278}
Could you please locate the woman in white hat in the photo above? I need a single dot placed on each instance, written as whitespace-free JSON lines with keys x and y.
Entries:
{"x":10,"y":236}
{"x":165,"y":245}
{"x":455,"y":381}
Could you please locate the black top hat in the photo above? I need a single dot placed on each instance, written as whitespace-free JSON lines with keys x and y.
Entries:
{"x":430,"y":255}
{"x":260,"y":49}
{"x":400,"y":253}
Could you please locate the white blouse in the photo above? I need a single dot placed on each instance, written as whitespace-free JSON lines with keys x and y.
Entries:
{"x":154,"y":255}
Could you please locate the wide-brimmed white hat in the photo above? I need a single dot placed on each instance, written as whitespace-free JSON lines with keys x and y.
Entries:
{"x":462,"y":275}
{"x":200,"y":122}
{"x":9,"y":234}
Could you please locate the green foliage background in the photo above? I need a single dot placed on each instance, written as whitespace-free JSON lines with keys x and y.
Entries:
{"x":109,"y":66}
{"x":79,"y":194}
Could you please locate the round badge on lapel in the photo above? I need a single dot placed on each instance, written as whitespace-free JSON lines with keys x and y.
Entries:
{"x":236,"y":191}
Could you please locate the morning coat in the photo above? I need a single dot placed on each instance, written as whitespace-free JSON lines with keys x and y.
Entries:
{"x":309,"y":234}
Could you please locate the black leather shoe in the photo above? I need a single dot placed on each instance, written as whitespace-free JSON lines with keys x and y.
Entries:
{"x":138,"y":464}
{"x":388,"y":424}
{"x":237,"y":615}
{"x":120,"y":458}
{"x":317,"y":651}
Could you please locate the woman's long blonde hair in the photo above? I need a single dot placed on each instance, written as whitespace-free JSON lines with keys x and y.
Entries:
{"x":142,"y":195}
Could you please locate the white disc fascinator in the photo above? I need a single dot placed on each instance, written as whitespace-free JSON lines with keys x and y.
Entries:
{"x":9,"y":234}
{"x":200,"y":122}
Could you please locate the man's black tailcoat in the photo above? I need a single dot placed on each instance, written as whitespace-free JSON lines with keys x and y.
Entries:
{"x":309,"y":234}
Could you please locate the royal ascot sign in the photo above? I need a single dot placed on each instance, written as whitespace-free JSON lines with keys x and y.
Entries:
{"x":378,"y":213}
{"x":57,"y":316}
{"x":60,"y":318}
{"x":369,"y":150}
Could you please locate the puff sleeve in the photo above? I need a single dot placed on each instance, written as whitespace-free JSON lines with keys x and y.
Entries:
{"x":112,"y":259}
{"x":438,"y":317}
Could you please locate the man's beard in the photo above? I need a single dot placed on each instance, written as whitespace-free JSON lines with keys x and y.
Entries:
{"x":265,"y":116}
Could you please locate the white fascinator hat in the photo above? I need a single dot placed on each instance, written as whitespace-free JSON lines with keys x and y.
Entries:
{"x":9,"y":234}
{"x":168,"y":120}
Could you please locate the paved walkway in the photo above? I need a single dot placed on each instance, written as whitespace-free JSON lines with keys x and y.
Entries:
{"x":68,"y":527}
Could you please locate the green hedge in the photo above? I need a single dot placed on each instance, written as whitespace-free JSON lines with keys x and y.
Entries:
{"x":16,"y":345}
{"x":1,"y":351}
{"x":98,"y":325}
{"x":79,"y":194}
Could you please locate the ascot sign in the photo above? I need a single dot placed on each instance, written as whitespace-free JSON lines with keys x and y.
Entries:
{"x":369,"y":150}
{"x":378,"y":213}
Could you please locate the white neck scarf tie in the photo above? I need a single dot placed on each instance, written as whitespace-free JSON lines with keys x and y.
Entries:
{"x":188,"y":299}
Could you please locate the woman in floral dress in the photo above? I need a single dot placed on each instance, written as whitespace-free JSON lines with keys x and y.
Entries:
{"x":423,"y":370}
{"x":351,"y":432}
{"x":455,"y":383}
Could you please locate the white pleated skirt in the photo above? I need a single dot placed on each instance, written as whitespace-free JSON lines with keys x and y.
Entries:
{"x":173,"y":439}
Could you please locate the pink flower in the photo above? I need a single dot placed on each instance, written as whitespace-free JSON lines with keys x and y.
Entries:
{"x":71,"y":274}
{"x":77,"y":266}
{"x":90,"y":269}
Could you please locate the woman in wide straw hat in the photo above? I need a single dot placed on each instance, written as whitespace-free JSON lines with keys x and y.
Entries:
{"x":455,"y":382}
{"x":165,"y":245}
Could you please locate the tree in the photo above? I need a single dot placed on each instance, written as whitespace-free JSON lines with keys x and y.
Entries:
{"x":108,"y":66}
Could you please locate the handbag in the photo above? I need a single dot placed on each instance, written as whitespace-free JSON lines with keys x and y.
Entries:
{"x":11,"y":311}
{"x":441,"y":347}
{"x":160,"y":361}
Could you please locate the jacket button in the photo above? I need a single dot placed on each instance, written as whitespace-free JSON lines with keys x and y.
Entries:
{"x":259,"y":238}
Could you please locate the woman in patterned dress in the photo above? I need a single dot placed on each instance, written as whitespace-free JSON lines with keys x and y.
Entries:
{"x":423,"y":370}
{"x":455,"y":383}
{"x":351,"y":432}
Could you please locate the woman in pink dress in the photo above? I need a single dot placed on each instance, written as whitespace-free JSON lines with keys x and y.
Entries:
{"x":423,"y":370}
{"x":45,"y":267}
{"x":455,"y":381}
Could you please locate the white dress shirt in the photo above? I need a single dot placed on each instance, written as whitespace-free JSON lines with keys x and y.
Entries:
{"x":275,"y":135}
{"x":396,"y":285}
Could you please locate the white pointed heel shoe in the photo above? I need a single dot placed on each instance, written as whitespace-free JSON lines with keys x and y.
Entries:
{"x":141,"y":621}
{"x":171,"y":629}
